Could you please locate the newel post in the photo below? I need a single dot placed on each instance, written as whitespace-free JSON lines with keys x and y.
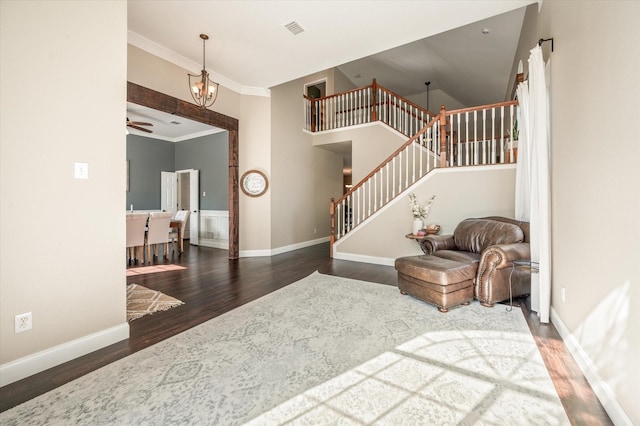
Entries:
{"x":443,"y":136}
{"x":374,"y":101}
{"x":332,"y":237}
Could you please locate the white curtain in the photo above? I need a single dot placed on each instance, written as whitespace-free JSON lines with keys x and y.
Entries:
{"x":532,"y":178}
{"x":523,"y":171}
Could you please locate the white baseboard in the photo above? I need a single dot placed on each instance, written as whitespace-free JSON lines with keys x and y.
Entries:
{"x":27,"y":366}
{"x":220,"y":244}
{"x":600,"y":387}
{"x":284,"y":249}
{"x":362,"y":258}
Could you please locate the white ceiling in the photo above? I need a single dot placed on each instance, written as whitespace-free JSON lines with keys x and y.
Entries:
{"x":472,"y":67}
{"x":166,"y":126}
{"x":400,"y":43}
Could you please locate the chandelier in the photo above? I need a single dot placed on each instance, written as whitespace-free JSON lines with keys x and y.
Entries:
{"x":203,"y":91}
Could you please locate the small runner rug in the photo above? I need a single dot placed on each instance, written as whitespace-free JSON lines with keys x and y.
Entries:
{"x":142,"y":301}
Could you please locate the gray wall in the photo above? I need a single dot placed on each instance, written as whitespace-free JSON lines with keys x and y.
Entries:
{"x":148,"y":157}
{"x":210,"y":155}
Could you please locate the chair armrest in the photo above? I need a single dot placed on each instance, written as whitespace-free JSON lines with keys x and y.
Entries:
{"x":494,"y":272}
{"x":433,"y":243}
{"x":502,"y":255}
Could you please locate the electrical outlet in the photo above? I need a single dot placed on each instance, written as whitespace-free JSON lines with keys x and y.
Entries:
{"x":314,"y":230}
{"x":564,"y":294}
{"x":24,"y":322}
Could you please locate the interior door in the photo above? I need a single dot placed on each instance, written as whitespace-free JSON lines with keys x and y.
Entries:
{"x":194,"y":204}
{"x":184,"y":197}
{"x":168,"y":192}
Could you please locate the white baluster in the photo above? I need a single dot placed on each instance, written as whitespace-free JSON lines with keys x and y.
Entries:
{"x":395,"y":112}
{"x":388,"y":181}
{"x":370,"y":207}
{"x":336,"y":229}
{"x":394,"y":174}
{"x":385,"y":106}
{"x":493,"y":136}
{"x":484,"y":137}
{"x":475,"y":137}
{"x":459,"y":151}
{"x":352,"y":109}
{"x":503,"y":152}
{"x":413,"y":168}
{"x":375,"y":191}
{"x":367,"y":106}
{"x":421,"y":155}
{"x":407,"y":171}
{"x":511,"y":114}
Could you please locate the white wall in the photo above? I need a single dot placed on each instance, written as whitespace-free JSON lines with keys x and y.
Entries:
{"x":255,"y":153}
{"x":304,"y":177}
{"x":62,"y":77}
{"x":155,"y":73}
{"x":594,"y":184}
{"x":371,"y":144}
{"x":460,"y":193}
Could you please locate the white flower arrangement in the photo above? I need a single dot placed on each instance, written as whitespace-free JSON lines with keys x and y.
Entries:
{"x":420,"y":211}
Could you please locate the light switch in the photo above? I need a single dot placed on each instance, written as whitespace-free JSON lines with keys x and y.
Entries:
{"x":80,"y":170}
{"x":204,"y":193}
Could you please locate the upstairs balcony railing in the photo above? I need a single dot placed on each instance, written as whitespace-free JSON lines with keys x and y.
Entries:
{"x":365,"y":105}
{"x":474,"y":136}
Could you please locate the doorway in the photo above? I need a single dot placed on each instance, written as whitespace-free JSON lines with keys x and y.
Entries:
{"x":180,"y":190}
{"x":316,"y":89}
{"x":150,"y":98}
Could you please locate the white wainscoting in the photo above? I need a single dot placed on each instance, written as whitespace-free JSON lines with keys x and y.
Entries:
{"x":214,"y":228}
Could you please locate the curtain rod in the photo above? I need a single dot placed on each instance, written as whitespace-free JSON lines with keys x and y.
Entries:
{"x":542,"y":40}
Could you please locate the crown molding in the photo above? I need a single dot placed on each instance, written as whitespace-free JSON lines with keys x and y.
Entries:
{"x":255,"y":91}
{"x":162,"y":52}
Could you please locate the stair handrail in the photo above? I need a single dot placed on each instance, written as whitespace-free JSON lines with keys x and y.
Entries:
{"x":423,"y":149}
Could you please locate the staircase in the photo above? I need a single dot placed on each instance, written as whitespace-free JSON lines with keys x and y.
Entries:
{"x":475,"y":136}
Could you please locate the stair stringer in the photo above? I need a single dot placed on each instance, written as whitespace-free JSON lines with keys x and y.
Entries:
{"x":461,"y":192}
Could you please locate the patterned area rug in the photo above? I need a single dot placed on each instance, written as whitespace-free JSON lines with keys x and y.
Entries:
{"x":324,"y":350}
{"x":142,"y":301}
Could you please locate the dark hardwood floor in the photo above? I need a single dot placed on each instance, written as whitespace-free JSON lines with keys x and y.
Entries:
{"x":212,"y":284}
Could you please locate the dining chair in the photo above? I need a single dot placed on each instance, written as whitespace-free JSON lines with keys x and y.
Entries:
{"x":177,"y":233}
{"x":136,"y":228}
{"x":158,"y":233}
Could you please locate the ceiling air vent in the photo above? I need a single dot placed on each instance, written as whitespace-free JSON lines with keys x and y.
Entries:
{"x":294,"y":27}
{"x":175,"y":122}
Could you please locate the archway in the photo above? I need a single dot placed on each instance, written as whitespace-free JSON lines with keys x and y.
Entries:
{"x":150,"y":98}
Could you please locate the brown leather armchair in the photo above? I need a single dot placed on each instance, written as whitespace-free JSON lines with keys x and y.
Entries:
{"x":488,"y":245}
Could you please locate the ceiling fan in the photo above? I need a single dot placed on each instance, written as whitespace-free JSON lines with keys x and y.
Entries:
{"x":137,"y":124}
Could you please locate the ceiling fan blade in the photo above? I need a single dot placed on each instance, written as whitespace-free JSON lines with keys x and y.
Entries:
{"x":139,"y":128}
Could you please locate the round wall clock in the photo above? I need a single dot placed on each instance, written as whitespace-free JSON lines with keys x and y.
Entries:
{"x":254,"y":183}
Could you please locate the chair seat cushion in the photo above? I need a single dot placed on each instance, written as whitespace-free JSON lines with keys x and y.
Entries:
{"x":435,"y":269}
{"x":458,"y":256}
